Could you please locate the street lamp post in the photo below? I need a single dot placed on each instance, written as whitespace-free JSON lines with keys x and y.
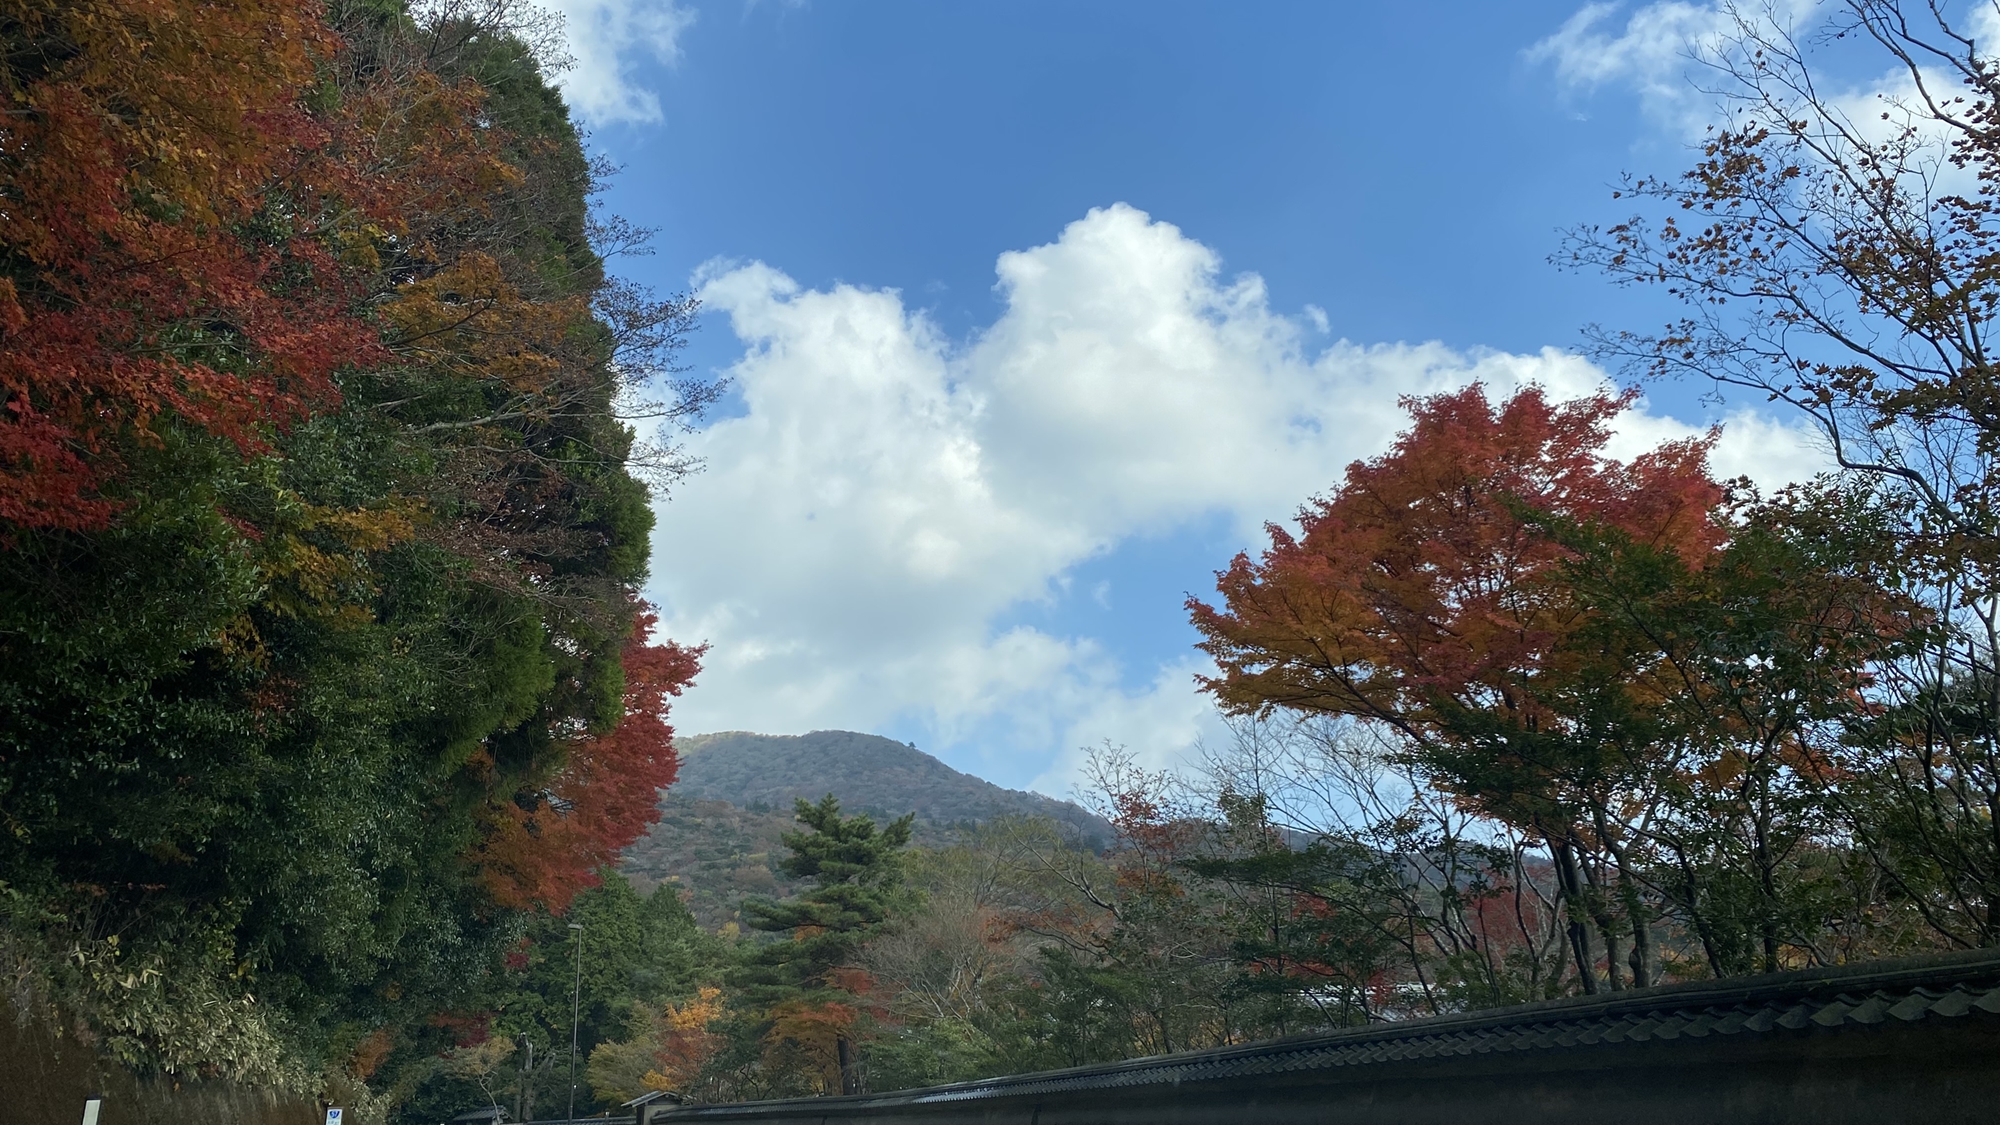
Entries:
{"x":575,"y":1008}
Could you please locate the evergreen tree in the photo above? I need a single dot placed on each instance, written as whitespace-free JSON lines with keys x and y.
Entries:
{"x":805,"y":987}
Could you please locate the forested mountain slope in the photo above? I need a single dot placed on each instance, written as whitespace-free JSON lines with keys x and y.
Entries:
{"x":867,"y":772}
{"x":719,"y":829}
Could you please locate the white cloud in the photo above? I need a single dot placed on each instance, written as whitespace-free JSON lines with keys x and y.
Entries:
{"x":1665,"y":53}
{"x":1159,"y":724}
{"x":888,"y":495}
{"x":609,"y":41}
{"x":1650,"y":54}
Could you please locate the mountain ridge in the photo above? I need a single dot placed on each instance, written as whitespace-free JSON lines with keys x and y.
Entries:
{"x":866,"y":772}
{"x":720,"y":824}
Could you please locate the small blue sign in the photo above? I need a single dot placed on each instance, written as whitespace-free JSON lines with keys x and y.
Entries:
{"x":333,"y":1116}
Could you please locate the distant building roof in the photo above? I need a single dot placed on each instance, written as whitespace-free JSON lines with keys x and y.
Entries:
{"x":652,"y":1096}
{"x":486,"y":1113}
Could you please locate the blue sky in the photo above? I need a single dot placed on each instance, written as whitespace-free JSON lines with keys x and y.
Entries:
{"x":1403,"y":166}
{"x":1037,"y":311}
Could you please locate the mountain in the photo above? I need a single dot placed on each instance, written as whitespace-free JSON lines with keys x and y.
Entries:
{"x":715,"y":852}
{"x":868,"y":773}
{"x":720,"y":822}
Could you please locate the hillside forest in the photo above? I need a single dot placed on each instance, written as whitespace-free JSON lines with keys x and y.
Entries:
{"x":331,"y":709}
{"x":323,"y":515}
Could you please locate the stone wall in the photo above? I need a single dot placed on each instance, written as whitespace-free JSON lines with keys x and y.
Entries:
{"x":44,"y":1080}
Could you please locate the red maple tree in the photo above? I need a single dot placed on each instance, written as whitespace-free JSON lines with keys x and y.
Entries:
{"x":1428,"y":594}
{"x":1426,"y":575}
{"x":541,"y":852}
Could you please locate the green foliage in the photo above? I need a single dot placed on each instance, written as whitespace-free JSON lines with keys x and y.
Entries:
{"x":634,"y":949}
{"x":249,"y":766}
{"x":636,"y":954}
{"x":940,"y":1052}
{"x":181,"y":1010}
{"x":257,"y":726}
{"x":856,"y":872}
{"x":1313,"y":926}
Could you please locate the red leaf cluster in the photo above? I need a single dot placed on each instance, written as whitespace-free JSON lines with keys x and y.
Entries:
{"x":1424,"y":576}
{"x":164,"y":239}
{"x":605,"y":795}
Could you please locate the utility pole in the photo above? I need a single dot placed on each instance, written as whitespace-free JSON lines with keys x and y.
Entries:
{"x":524,"y":1106}
{"x":575,"y":1008}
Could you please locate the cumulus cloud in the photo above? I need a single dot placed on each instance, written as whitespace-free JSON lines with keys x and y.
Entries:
{"x":609,"y":41}
{"x":889,"y":494}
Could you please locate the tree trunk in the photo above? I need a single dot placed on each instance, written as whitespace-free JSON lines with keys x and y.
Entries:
{"x":850,"y":1074}
{"x":1645,"y":959}
{"x":1579,"y":933}
{"x":1607,"y":926}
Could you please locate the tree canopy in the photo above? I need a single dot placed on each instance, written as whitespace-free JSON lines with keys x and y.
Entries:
{"x":322,"y":520}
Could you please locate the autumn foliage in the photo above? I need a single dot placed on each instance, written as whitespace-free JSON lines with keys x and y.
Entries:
{"x":218,"y":214}
{"x":1424,"y":580}
{"x":320,"y":534}
{"x":605,"y":794}
{"x":1435,"y":594}
{"x":686,"y":1040}
{"x":166,"y":238}
{"x":1653,"y":681}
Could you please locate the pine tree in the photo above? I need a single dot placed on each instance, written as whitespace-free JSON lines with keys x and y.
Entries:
{"x":805,"y":987}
